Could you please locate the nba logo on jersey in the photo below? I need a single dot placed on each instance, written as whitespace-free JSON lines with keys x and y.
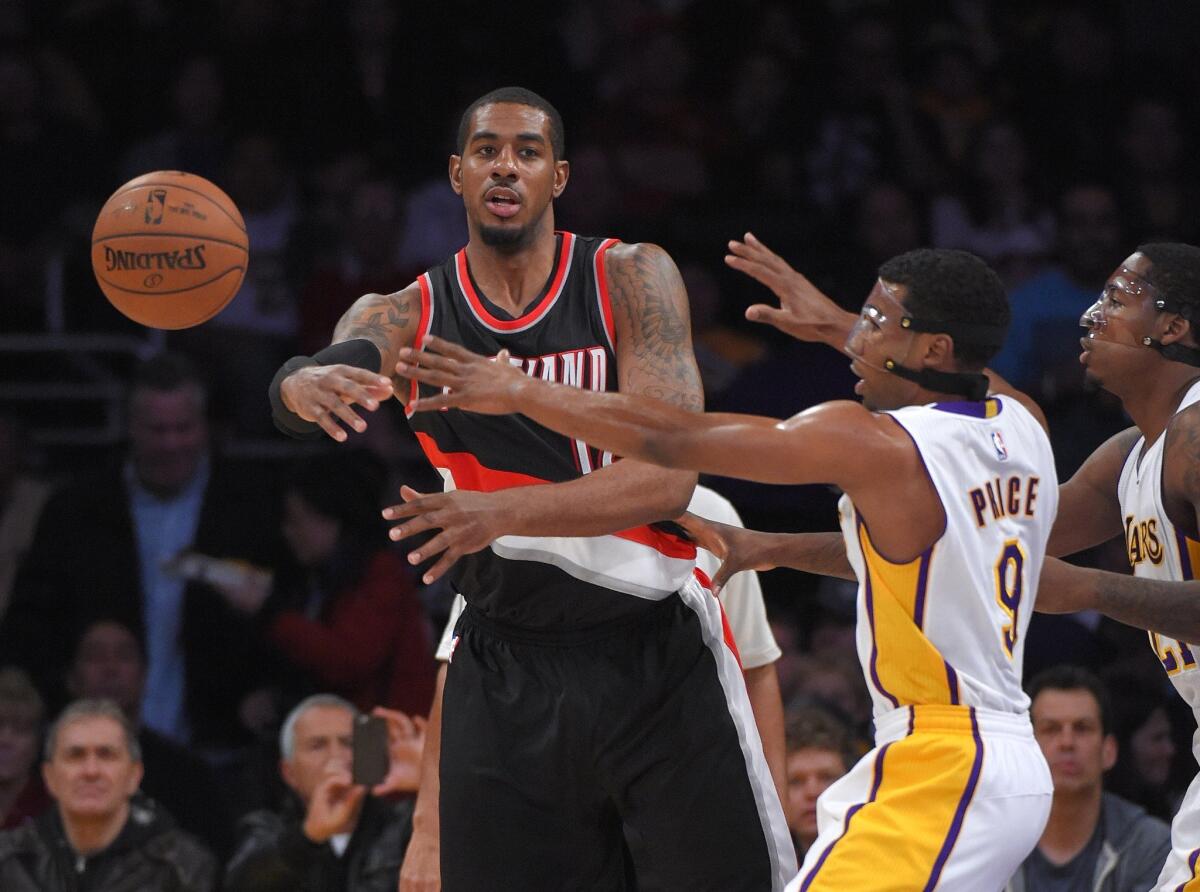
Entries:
{"x":450,"y":653}
{"x":998,"y":445}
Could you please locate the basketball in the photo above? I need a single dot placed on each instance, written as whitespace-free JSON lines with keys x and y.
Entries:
{"x":169,"y":249}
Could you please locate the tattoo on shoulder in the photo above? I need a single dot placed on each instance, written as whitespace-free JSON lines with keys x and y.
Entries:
{"x":1185,"y":448}
{"x":377,"y":317}
{"x":648,"y":292}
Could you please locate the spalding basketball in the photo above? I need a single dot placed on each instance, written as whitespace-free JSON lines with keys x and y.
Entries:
{"x":169,"y":249}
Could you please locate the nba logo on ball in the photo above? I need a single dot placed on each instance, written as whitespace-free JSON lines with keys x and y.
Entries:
{"x":169,"y":249}
{"x":998,"y":445}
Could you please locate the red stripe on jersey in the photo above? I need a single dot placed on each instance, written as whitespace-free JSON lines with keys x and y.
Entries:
{"x":602,"y":288}
{"x":471,"y":475}
{"x":730,"y":642}
{"x":423,"y":323}
{"x":668,"y":544}
{"x":534,"y":313}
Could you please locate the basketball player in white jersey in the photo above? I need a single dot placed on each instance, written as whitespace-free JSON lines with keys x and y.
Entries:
{"x":950,"y":497}
{"x":1140,"y":346}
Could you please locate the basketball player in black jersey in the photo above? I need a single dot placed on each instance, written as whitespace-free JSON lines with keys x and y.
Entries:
{"x":592,"y":727}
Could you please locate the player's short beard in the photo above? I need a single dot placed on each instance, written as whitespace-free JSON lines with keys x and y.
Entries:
{"x":509,"y":239}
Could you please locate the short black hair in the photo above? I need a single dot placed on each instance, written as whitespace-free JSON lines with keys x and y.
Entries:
{"x":946,"y":285}
{"x":1175,"y":274}
{"x":1067,"y":677}
{"x":516,"y":96}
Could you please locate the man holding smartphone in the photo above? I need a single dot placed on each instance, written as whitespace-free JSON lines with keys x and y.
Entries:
{"x":330,"y":835}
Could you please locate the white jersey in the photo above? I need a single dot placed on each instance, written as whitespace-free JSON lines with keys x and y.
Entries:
{"x":1157,"y":549}
{"x":948,"y":627}
{"x":741,"y":596}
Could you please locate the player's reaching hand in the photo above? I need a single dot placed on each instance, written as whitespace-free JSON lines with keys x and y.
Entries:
{"x":325,"y":394}
{"x":803,"y":312}
{"x":469,"y":521}
{"x":739,"y":549}
{"x":476,"y":383}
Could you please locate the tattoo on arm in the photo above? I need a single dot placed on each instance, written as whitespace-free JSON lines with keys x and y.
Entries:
{"x":649,"y":295}
{"x":379,"y":318}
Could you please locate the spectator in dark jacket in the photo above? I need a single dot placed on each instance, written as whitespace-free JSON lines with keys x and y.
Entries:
{"x":1093,"y":840}
{"x":100,"y":837}
{"x":330,"y":836}
{"x":103,"y":548}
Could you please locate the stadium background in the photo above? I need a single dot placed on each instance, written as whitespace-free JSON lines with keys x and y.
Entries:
{"x":1050,"y":138}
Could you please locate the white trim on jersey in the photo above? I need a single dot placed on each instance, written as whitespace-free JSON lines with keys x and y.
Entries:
{"x":609,"y":561}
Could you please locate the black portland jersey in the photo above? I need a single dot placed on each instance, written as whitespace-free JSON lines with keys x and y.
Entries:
{"x":567,"y":336}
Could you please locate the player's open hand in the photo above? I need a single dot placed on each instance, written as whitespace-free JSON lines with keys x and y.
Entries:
{"x":803,"y":312}
{"x":739,"y":549}
{"x":325,"y":394}
{"x":467,"y":520}
{"x":469,"y":381}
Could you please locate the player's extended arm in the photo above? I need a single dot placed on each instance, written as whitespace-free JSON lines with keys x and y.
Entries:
{"x":353,"y":369}
{"x":743,"y":549}
{"x":838,"y":442}
{"x":654,"y":359}
{"x":803,"y":312}
{"x":1089,"y":512}
{"x":1169,"y":607}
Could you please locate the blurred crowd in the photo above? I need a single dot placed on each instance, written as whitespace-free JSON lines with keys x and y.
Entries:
{"x":207,"y":595}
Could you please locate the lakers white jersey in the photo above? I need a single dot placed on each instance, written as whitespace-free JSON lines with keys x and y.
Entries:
{"x":949,"y":626}
{"x":1158,"y":550}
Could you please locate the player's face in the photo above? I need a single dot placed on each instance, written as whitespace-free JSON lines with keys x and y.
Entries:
{"x":876,"y":338}
{"x":508,"y":175}
{"x":1068,"y":729}
{"x":91,"y":773}
{"x":810,"y":772}
{"x":322,"y":746}
{"x":1117,"y":322}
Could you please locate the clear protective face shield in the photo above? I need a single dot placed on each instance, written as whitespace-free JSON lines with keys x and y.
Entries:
{"x":1126,"y":287}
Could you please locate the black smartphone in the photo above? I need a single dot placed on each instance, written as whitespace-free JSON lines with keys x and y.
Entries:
{"x":369,"y":764}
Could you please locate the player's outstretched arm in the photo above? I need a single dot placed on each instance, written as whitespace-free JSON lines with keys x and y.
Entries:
{"x":1168,"y":607}
{"x":837,"y":442}
{"x":742,"y":549}
{"x":803,"y":312}
{"x":1089,"y":512}
{"x":320,"y":391}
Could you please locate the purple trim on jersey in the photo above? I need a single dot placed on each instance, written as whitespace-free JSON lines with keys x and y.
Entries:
{"x":925,"y":468}
{"x":970,"y":409}
{"x":952,"y":680}
{"x":1185,"y":556}
{"x":1191,"y":868}
{"x":912,"y":717}
{"x":870,"y":599}
{"x":922,"y":585}
{"x":961,"y":812}
{"x":812,"y":874}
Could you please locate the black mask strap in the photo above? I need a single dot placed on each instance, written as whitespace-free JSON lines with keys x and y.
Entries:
{"x":972,"y":385}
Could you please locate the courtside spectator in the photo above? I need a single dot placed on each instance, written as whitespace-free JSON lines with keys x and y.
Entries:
{"x":100,"y":836}
{"x":1094,"y":840}
{"x":819,"y":751}
{"x":22,"y":794}
{"x":330,"y":835}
